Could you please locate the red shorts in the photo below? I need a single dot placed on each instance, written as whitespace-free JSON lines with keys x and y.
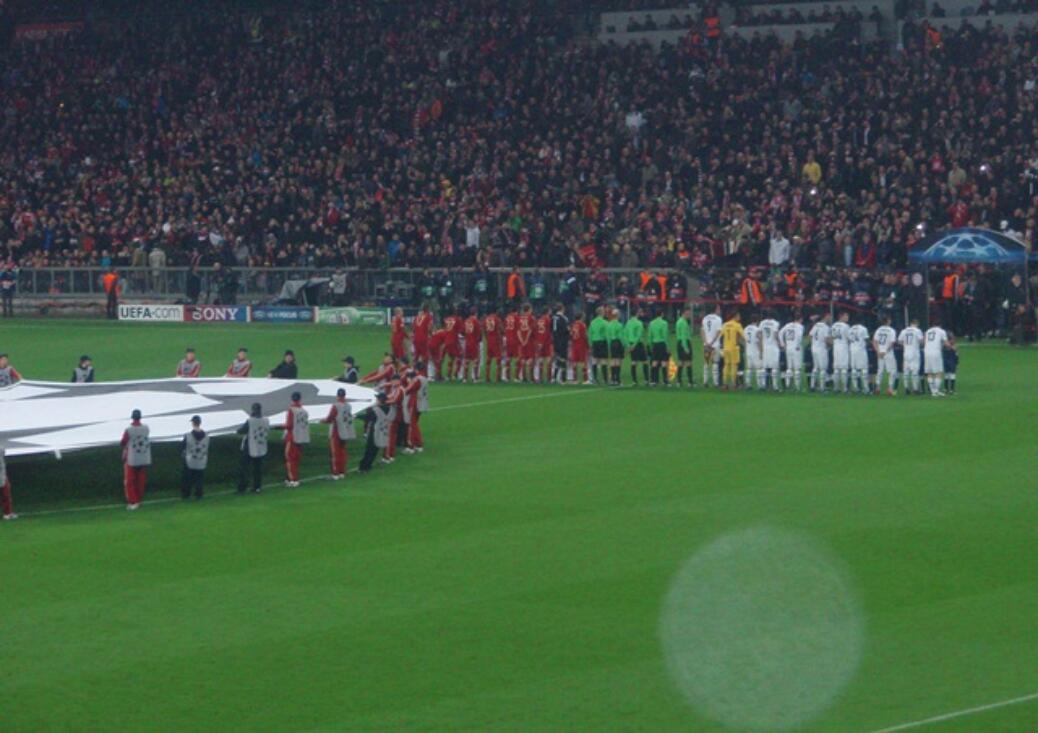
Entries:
{"x":493,"y":349}
{"x":512,"y":349}
{"x":451,"y":348}
{"x":421,"y":350}
{"x":471,"y":350}
{"x":529,"y":351}
{"x":544,"y":350}
{"x":397,"y":346}
{"x":578,"y":353}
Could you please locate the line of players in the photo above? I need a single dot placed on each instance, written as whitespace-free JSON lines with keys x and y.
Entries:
{"x":523,"y":347}
{"x":771,"y":355}
{"x":402,"y":397}
{"x":520,"y":346}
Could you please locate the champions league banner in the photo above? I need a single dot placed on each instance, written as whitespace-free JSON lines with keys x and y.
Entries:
{"x":55,"y":417}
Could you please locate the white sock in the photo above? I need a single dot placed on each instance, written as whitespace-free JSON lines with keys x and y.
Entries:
{"x":715,"y":374}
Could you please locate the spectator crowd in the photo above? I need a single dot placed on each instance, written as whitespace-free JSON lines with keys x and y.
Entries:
{"x":483,"y":132}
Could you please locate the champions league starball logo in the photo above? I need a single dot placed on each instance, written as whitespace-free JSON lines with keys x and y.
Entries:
{"x":969,"y":245}
{"x":54,"y":417}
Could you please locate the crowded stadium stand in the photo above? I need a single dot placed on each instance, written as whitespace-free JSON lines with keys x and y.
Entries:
{"x":366,"y":136}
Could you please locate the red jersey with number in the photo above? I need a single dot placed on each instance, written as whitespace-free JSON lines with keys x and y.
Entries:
{"x":492,"y":334}
{"x":422,"y":324}
{"x":473,"y":335}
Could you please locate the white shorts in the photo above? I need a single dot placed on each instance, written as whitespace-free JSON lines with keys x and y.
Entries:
{"x":841,"y":358}
{"x":859,"y":360}
{"x":753,"y":359}
{"x":886,"y":364}
{"x":771,"y":358}
{"x":820,"y":357}
{"x":933,"y":362}
{"x":912,"y":364}
{"x":716,"y":356}
{"x":794,"y":360}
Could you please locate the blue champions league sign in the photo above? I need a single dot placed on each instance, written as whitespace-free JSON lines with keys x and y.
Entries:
{"x":282,"y":314}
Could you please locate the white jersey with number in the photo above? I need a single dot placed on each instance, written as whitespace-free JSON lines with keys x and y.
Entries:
{"x":911,"y":339}
{"x":841,"y":333}
{"x":933,"y":350}
{"x":751,"y":332}
{"x":819,"y":335}
{"x":884,"y":338}
{"x":711,"y":331}
{"x":792,"y":336}
{"x":769,"y":329}
{"x":859,"y":337}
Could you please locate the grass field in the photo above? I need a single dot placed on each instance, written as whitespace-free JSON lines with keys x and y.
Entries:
{"x":558,"y":559}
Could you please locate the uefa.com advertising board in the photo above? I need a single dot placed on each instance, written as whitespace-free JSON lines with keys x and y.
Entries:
{"x":348,"y":316}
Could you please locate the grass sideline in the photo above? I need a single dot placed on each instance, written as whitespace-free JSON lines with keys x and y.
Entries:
{"x":511,"y":577}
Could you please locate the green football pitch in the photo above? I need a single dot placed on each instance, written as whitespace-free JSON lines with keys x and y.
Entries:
{"x":559,"y":558}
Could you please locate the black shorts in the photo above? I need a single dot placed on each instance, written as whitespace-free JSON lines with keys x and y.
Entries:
{"x":684,"y":354}
{"x":616,"y":349}
{"x":659,"y":352}
{"x":638,"y":352}
{"x":600,"y":349}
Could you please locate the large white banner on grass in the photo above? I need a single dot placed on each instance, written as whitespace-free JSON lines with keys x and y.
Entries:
{"x":47,"y":417}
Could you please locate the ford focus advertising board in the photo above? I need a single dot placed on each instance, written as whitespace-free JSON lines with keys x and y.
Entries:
{"x":282,"y":314}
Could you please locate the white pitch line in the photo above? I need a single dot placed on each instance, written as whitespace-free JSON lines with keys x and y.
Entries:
{"x":524,"y":398}
{"x":174,"y":499}
{"x":960,"y":713}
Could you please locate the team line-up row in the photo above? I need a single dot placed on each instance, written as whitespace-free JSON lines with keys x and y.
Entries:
{"x":762,"y":353}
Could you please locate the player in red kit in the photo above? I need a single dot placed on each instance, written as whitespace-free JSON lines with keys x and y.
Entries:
{"x":437,"y":343}
{"x":398,"y":334}
{"x":297,"y":434}
{"x":394,"y":398}
{"x":542,"y":339}
{"x":189,"y":367}
{"x":420,"y":333}
{"x":241,"y":367}
{"x":136,"y":443}
{"x":512,"y":351}
{"x":492,"y":338}
{"x":383,"y":374}
{"x":578,"y":349}
{"x":527,"y":345}
{"x":473,"y":338}
{"x":340,"y":420}
{"x":417,"y":399}
{"x":452,"y":324}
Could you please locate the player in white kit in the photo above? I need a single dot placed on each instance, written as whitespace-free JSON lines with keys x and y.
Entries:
{"x":769,"y":344}
{"x":710,"y":332}
{"x":911,"y":339}
{"x":841,"y":352}
{"x":883,"y":341}
{"x":859,"y":358}
{"x":821,"y":337}
{"x":933,"y":357}
{"x":792,"y":338}
{"x":753,"y":368}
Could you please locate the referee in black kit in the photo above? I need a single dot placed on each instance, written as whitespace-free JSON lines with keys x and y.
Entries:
{"x":560,"y":343}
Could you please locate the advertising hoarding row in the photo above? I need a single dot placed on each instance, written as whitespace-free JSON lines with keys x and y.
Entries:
{"x":346,"y":316}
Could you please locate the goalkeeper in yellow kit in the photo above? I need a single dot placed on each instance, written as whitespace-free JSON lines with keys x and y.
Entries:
{"x":731,"y":340}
